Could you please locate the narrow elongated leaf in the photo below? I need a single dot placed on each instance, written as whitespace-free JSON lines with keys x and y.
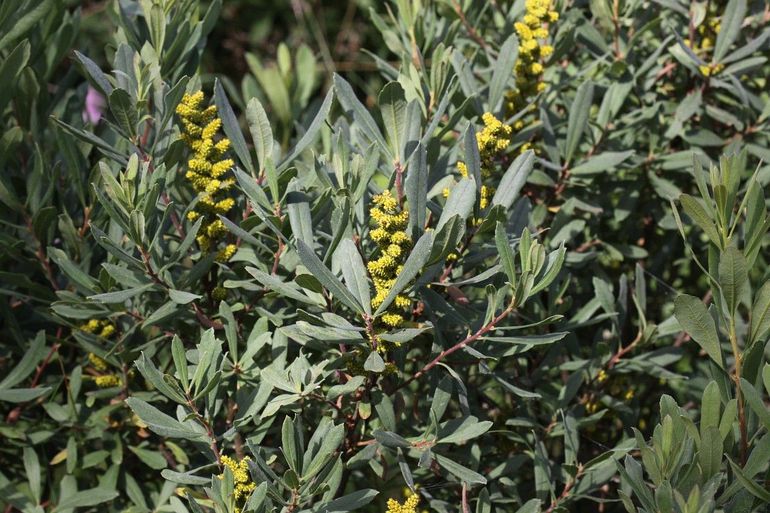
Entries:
{"x":503,"y":73}
{"x":311,"y":133}
{"x":326,"y":277}
{"x":578,"y":118}
{"x":85,"y":498}
{"x":416,"y":189}
{"x":514,"y":179}
{"x":393,"y":109}
{"x":232,"y":129}
{"x":507,"y":258}
{"x":602,"y":163}
{"x":730,"y":27}
{"x":463,"y":473}
{"x":760,"y":313}
{"x":361,"y":115}
{"x":349,"y":502}
{"x":733,"y":276}
{"x":354,"y":273}
{"x":261,"y":132}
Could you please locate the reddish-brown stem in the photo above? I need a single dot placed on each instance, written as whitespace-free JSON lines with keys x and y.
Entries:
{"x":465,"y":342}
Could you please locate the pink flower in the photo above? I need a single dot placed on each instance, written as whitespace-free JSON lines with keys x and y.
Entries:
{"x":95,"y":105}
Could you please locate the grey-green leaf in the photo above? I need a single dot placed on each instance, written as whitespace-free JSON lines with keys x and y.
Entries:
{"x":694,"y":319}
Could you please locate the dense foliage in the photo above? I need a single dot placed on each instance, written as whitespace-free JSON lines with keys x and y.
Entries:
{"x":509,"y":259}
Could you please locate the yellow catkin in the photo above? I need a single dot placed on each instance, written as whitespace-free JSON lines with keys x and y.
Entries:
{"x":493,"y":140}
{"x":408,"y":506}
{"x":107,"y":381}
{"x":241,"y":479}
{"x":99,"y":327}
{"x":393,"y":245}
{"x":97,"y":363}
{"x":207,"y":168}
{"x":532,"y":31}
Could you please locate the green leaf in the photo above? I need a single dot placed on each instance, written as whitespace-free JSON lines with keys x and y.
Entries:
{"x":290,"y":444}
{"x":416,"y":190}
{"x":298,"y":208}
{"x":85,"y":498}
{"x":261,"y":135}
{"x":364,"y":121}
{"x":507,"y":258}
{"x":756,"y":403}
{"x":181,"y":297}
{"x":730,"y":27}
{"x":463,"y":473}
{"x":27,"y":364}
{"x":698,"y":214}
{"x":354,"y":273}
{"x":750,"y":485}
{"x":514,"y":179}
{"x":760,"y":313}
{"x":467,"y":429}
{"x":326,"y":277}
{"x":124,"y":110}
{"x":152,"y":459}
{"x":710,"y":452}
{"x":462,"y":198}
{"x":311,"y":133}
{"x":413,"y":265}
{"x":503,"y":71}
{"x":10,"y":68}
{"x":733,"y":276}
{"x":22,"y":395}
{"x":578,"y":118}
{"x":602,"y":163}
{"x":120,"y":296}
{"x":374,"y":362}
{"x":695,"y":320}
{"x":27,"y":22}
{"x":231,"y":128}
{"x":160,"y":381}
{"x":32,"y":469}
{"x":349,"y":502}
{"x":161,"y":423}
{"x":393,"y":110}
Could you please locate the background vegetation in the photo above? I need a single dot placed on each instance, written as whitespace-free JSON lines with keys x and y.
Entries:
{"x":416,"y":255}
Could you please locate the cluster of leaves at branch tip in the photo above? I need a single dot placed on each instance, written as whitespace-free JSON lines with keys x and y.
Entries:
{"x":533,"y":51}
{"x":205,"y":171}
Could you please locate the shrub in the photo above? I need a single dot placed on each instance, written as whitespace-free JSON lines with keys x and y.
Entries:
{"x":466,"y":288}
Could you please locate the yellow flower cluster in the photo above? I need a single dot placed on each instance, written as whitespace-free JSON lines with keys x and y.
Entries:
{"x":241,"y":478}
{"x":107,"y":381}
{"x":100,"y":365}
{"x":393,"y":243}
{"x":492,"y":140}
{"x":97,"y":363}
{"x":206,"y":169}
{"x":532,"y":31}
{"x":708,"y":31}
{"x":99,"y":327}
{"x":409,"y":505}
